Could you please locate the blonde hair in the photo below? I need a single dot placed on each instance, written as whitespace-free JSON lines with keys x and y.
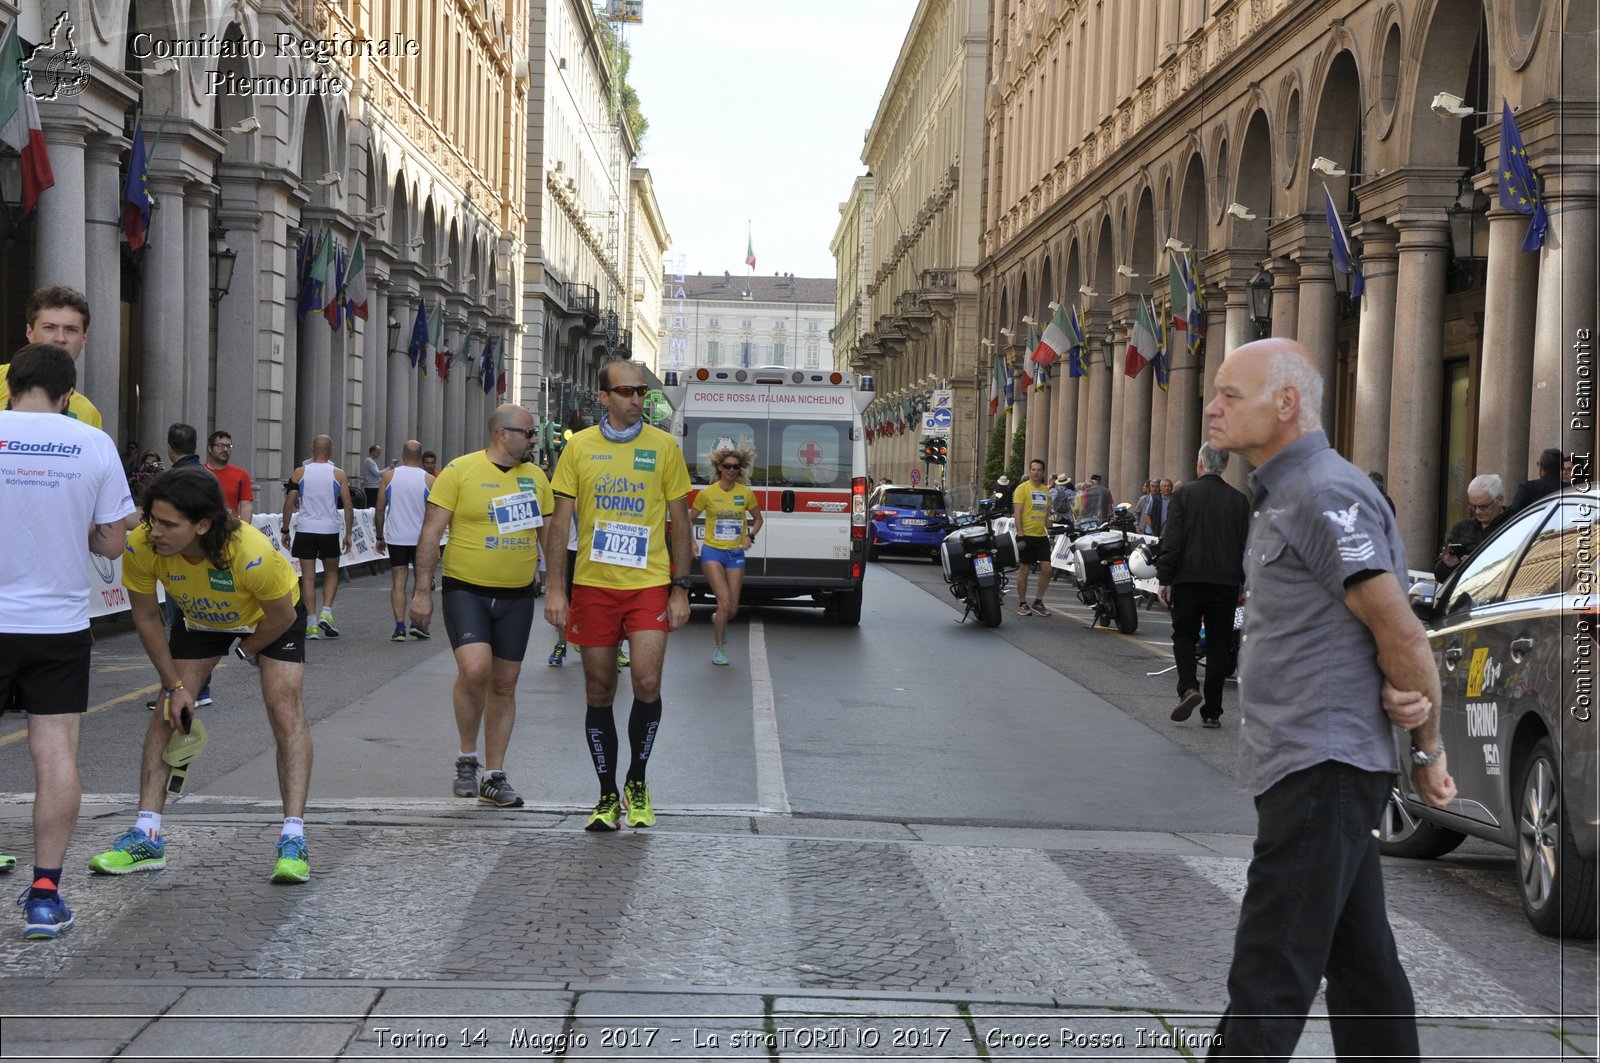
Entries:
{"x":726,"y":447}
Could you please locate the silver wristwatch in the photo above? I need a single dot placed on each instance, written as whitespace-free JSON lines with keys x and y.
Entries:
{"x":1422,"y":758}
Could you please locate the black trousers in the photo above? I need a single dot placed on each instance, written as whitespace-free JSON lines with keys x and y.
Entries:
{"x":1313,"y":909}
{"x":1214,"y":604}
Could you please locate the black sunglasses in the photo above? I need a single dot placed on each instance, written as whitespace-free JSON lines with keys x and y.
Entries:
{"x":629,"y":391}
{"x":734,"y":465}
{"x":528,"y":432}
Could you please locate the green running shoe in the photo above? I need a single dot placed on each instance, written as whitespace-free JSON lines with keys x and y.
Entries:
{"x":623,"y":660}
{"x":605,"y":814}
{"x":640,"y":812}
{"x":291,"y":866}
{"x":132,"y":851}
{"x":7,"y":862}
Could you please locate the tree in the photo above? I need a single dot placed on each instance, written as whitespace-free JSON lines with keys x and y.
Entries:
{"x":994,"y":461}
{"x":1019,"y":444}
{"x":622,"y":59}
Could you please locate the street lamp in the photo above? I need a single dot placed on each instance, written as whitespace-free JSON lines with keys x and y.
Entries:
{"x":394,"y":333}
{"x":223,"y":259}
{"x":1260,"y":287}
{"x":1108,"y":346}
{"x":1463,"y":216}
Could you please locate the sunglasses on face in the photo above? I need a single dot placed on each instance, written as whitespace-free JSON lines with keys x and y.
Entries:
{"x":733,"y":465}
{"x":629,"y":391}
{"x":526,"y":432}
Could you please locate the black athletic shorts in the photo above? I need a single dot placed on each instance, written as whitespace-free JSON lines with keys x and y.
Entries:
{"x":401,"y":556}
{"x":189,"y":644}
{"x":308,"y":546}
{"x":1033,"y":549}
{"x":502,"y":617}
{"x":45,"y":675}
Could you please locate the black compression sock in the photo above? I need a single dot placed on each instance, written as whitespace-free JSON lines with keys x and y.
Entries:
{"x":600,"y":729}
{"x":642,"y":724}
{"x":46,"y":881}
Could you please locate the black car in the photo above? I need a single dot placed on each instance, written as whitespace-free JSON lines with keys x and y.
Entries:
{"x":1513,"y":636}
{"x":906,"y":520}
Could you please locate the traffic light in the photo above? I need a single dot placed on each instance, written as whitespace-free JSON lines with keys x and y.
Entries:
{"x":941,"y":450}
{"x":927,"y":450}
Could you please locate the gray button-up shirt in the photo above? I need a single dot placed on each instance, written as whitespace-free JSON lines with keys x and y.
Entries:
{"x":1309,"y":686}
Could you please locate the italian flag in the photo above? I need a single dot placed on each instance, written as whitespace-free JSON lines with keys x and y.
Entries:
{"x":1055,"y":342}
{"x":997,"y":386}
{"x":750,"y":252}
{"x":1142,"y":344}
{"x":355,"y":285}
{"x":19,"y":122}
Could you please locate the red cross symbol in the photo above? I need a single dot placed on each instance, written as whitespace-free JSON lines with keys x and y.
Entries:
{"x":810,"y":453}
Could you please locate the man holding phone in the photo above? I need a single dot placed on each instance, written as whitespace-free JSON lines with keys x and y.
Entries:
{"x":227,"y":582}
{"x":1486,"y":506}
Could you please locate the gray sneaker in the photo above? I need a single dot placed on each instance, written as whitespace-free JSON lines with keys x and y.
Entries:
{"x":497,"y":790}
{"x":466,"y":784}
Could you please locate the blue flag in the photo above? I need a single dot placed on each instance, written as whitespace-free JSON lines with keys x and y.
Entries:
{"x":136,"y":192}
{"x":1077,"y":348}
{"x":419,"y":339}
{"x":1343,"y":261}
{"x":486,"y":367}
{"x":1519,"y":185}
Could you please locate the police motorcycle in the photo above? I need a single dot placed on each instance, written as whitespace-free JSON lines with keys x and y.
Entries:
{"x":1100,"y":564}
{"x":976,"y":558}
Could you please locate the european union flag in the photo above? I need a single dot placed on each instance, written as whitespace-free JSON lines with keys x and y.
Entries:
{"x":419,"y":338}
{"x":486,"y":368}
{"x":1343,"y":260}
{"x":1077,"y":362}
{"x":1519,"y":185}
{"x":136,"y":192}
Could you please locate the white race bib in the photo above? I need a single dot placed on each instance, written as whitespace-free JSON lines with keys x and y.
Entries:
{"x":729,"y":528}
{"x":518,"y":512}
{"x":615,"y":543}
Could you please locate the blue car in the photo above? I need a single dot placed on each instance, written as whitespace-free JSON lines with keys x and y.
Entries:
{"x":906,"y":520}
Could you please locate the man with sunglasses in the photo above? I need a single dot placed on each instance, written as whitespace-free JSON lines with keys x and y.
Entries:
{"x":496,"y":504}
{"x":624,"y":479}
{"x":1486,"y":507}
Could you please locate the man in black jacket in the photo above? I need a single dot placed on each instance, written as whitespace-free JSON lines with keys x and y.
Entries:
{"x":1200,"y":568}
{"x":1548,"y":482}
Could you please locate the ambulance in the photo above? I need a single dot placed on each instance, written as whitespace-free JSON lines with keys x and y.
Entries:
{"x":810,"y":474}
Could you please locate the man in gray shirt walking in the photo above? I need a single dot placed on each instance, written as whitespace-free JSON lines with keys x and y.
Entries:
{"x":1331,"y":654}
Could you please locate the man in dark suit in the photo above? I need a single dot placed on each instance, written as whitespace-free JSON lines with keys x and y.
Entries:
{"x":1200,"y":567}
{"x":1547,"y":483}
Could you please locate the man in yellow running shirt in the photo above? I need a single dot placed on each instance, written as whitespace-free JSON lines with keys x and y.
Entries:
{"x":59,"y":315}
{"x":623,"y":478}
{"x":1031,"y":505}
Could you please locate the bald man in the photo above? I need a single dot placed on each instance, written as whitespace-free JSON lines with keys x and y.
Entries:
{"x":402,"y":504}
{"x":1332,"y":657}
{"x":319,"y":488}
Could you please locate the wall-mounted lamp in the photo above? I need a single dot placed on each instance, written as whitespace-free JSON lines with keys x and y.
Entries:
{"x":1175,"y":244}
{"x":1260,"y":287}
{"x":394,"y":334}
{"x":1108,"y":344}
{"x":1240,"y":211}
{"x":1449,"y":105}
{"x":1463,"y":215}
{"x":1084,"y":289}
{"x":223,"y":259}
{"x":986,"y":343}
{"x":1007,"y":333}
{"x":332,"y":177}
{"x":469,"y":278}
{"x":443,"y":264}
{"x":1128,"y":271}
{"x":163,"y":66}
{"x":1328,"y":168}
{"x":1028,"y":320}
{"x":249,"y":125}
{"x":416,"y":244}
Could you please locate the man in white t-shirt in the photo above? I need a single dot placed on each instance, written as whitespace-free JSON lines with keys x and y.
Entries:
{"x":320,"y":489}
{"x":402,"y":504}
{"x":66,"y":476}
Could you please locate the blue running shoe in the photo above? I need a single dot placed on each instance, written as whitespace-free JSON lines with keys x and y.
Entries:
{"x":44,"y":919}
{"x":132,"y":851}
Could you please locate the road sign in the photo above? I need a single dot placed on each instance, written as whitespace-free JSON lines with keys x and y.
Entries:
{"x":942,"y":399}
{"x":943,"y":418}
{"x":916,"y":476}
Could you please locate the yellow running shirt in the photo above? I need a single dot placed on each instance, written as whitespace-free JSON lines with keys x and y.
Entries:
{"x":213,"y":599}
{"x":1035,"y":502}
{"x":78,"y":406}
{"x":495,"y":520}
{"x":725,"y":514}
{"x":621,"y":491}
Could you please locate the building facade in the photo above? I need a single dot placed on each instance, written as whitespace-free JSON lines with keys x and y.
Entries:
{"x":728,"y":320}
{"x":577,"y":306}
{"x":392,"y":123}
{"x":851,"y":248}
{"x":919,"y":322}
{"x":1115,"y":131}
{"x":648,"y":241}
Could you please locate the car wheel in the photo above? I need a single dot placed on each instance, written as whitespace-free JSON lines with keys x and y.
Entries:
{"x":1555,"y":881}
{"x":872,"y":554}
{"x":1402,"y":833}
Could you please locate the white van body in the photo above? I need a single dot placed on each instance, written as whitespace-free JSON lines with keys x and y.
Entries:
{"x":810,"y":474}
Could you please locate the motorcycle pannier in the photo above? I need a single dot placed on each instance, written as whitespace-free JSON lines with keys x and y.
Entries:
{"x":1091,"y":569}
{"x":953,"y":551}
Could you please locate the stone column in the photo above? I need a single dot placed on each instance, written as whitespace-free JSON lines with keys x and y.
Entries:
{"x":1505,"y":374}
{"x":1064,"y":414}
{"x":244,"y":380}
{"x":1185,"y":425}
{"x":1285,"y":296}
{"x":1318,"y":318}
{"x":100,"y":369}
{"x":401,"y":425}
{"x":1157,"y":456}
{"x":375,"y":363}
{"x":61,"y":257}
{"x":1217,"y":347}
{"x":163,"y":334}
{"x":1415,"y":411}
{"x":198,"y":349}
{"x":1120,"y":386}
{"x":1375,"y":349}
{"x":1565,"y":325}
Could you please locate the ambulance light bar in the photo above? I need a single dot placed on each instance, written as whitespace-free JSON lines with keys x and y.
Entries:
{"x":767,"y":375}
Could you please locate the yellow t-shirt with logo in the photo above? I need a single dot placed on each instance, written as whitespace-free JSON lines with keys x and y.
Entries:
{"x":495,"y":520}
{"x":78,"y":405}
{"x":621,"y":491}
{"x":1034,"y":499}
{"x":725,"y":512}
{"x":212,"y":599}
